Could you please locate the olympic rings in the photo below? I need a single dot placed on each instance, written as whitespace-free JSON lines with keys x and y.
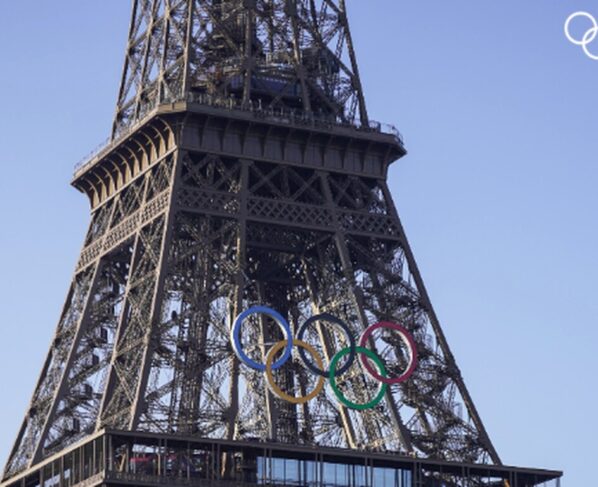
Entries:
{"x":277,"y":390}
{"x":407,"y":340}
{"x":336,"y":321}
{"x":316,"y":365}
{"x":337,"y":392}
{"x":588,"y":36}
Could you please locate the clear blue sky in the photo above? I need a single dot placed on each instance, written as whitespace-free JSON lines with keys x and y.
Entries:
{"x":498,"y":193}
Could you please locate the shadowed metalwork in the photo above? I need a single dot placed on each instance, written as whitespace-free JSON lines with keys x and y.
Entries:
{"x":276,"y":53}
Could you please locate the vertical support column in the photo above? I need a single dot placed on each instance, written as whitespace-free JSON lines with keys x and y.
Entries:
{"x":240,"y":278}
{"x":165,"y":48}
{"x":112,"y":374}
{"x":272,"y":410}
{"x":94,"y":465}
{"x":80,"y":452}
{"x":363,"y":113}
{"x":61,"y":478}
{"x":149,"y":40}
{"x":121,"y":403}
{"x":156,"y":306}
{"x":297,"y":58}
{"x":248,"y":58}
{"x":104,"y":466}
{"x":123,"y":82}
{"x":188,"y":43}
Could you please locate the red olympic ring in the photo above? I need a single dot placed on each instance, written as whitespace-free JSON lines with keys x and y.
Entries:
{"x":407,"y":339}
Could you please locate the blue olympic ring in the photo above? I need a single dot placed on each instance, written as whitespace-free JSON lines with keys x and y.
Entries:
{"x":280,"y":321}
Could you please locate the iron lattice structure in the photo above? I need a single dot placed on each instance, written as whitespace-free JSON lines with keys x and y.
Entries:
{"x":242,"y":169}
{"x":295,"y":54}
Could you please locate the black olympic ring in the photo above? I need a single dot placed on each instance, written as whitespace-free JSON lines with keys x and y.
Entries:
{"x":352,"y":344}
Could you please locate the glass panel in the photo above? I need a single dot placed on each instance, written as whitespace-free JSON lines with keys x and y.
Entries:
{"x":329,"y":476}
{"x":292,"y":472}
{"x":278,"y":470}
{"x":310,"y":472}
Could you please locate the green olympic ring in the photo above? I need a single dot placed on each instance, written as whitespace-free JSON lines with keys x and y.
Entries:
{"x":338,"y":393}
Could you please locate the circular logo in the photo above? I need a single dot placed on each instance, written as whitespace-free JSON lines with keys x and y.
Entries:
{"x":589,"y":35}
{"x":315,"y":365}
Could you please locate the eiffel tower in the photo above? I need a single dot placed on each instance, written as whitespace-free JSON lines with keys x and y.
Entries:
{"x":243,"y":169}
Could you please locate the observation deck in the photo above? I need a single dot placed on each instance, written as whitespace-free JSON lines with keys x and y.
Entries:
{"x":146,"y":459}
{"x":224,"y":126}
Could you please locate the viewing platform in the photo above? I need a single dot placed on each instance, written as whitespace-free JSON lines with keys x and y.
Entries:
{"x":146,"y":459}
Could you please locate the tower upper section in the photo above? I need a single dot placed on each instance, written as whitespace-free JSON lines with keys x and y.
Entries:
{"x":292,"y":55}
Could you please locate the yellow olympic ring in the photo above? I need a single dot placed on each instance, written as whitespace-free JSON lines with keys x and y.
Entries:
{"x":277,"y":390}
